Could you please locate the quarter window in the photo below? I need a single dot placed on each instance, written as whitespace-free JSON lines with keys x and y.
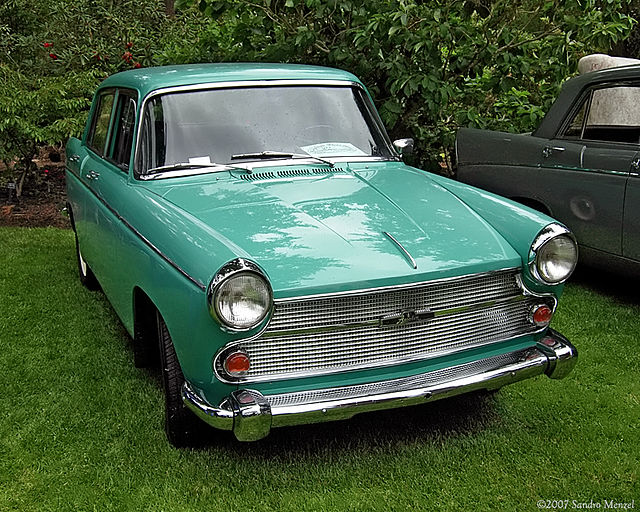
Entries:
{"x":100,"y":125}
{"x":123,"y":140}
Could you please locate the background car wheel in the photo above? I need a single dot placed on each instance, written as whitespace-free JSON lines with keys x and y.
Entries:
{"x":183,"y":428}
{"x":87,"y":278}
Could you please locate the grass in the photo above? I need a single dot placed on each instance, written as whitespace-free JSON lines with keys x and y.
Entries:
{"x":81,"y":428}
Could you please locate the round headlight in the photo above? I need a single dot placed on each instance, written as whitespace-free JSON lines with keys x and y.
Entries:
{"x":240,"y":297}
{"x":556,"y":258}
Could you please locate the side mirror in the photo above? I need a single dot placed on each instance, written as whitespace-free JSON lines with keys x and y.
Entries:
{"x":403,"y":146}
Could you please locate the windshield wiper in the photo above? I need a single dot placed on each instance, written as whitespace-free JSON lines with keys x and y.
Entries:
{"x":264,"y":155}
{"x":187,"y":165}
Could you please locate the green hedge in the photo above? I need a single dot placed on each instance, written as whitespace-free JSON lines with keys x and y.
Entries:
{"x":432,"y":66}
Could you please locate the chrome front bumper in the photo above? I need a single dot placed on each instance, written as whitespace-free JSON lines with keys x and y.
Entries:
{"x":251,"y":415}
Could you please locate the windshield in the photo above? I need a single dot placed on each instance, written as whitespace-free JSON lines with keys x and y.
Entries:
{"x":225,"y":125}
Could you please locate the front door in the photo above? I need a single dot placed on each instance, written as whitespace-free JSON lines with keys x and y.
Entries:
{"x":593,"y":155}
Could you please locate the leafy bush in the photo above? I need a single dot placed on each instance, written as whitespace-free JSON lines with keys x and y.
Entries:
{"x":49,"y":71}
{"x":37,"y":111}
{"x":432,"y":66}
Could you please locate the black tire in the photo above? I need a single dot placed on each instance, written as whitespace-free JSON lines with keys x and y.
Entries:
{"x":87,"y":277}
{"x":182,"y":427}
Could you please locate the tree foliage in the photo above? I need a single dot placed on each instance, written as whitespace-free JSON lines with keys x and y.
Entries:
{"x":53,"y":54}
{"x":432,"y":66}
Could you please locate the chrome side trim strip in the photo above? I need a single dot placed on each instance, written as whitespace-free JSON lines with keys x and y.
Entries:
{"x":402,"y":249}
{"x":140,"y":235}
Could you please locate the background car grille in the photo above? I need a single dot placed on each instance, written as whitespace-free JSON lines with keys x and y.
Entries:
{"x":327,"y":334}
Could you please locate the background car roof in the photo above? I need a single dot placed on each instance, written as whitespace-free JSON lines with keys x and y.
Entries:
{"x":145,"y":80}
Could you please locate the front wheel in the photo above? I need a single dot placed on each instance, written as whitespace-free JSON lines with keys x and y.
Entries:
{"x":183,"y":428}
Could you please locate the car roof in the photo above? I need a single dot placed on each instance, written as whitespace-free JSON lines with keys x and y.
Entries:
{"x":603,"y":75}
{"x":146,"y":80}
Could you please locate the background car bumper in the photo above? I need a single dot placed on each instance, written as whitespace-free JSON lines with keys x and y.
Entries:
{"x":251,"y":415}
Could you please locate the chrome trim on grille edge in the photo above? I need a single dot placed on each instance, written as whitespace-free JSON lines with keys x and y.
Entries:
{"x":393,"y":361}
{"x":394,"y":287}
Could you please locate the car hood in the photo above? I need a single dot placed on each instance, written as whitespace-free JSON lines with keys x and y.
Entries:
{"x":324,"y":229}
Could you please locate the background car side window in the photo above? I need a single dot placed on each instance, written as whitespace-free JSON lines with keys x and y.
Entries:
{"x":574,"y":129}
{"x":610,"y":114}
{"x":123,"y":140}
{"x":100,"y":125}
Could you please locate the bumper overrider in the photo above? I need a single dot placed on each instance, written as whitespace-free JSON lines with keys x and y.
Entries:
{"x":251,"y":415}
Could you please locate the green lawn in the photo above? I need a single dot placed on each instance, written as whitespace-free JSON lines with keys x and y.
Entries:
{"x":81,"y":428}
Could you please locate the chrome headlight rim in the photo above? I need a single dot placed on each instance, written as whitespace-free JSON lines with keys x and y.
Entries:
{"x":232,"y":269}
{"x":548,"y":234}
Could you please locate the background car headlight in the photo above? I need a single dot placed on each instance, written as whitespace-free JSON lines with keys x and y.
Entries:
{"x":556,"y":255}
{"x":240,"y":297}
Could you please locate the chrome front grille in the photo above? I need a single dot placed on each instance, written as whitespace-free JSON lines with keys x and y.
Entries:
{"x":327,"y":334}
{"x":362,"y":307}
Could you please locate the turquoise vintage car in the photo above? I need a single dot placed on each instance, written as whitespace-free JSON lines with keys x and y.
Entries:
{"x":262,"y":242}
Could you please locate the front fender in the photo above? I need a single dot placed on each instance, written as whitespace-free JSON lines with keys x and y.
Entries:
{"x":518,"y":224}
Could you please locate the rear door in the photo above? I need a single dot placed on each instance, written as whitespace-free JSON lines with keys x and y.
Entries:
{"x":91,"y":166}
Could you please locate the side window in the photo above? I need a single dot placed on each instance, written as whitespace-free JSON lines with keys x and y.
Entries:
{"x":123,"y":139}
{"x":152,"y":152}
{"x":100,"y":124}
{"x":609,"y":114}
{"x":574,"y":129}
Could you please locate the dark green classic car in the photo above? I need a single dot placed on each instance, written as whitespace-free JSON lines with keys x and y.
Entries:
{"x":261,"y":239}
{"x":581,"y":165}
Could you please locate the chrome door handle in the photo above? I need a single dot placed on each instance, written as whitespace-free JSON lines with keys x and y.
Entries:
{"x":547,"y":151}
{"x":92,"y":175}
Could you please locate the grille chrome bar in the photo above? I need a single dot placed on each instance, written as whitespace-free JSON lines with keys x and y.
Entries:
{"x":335,"y":333}
{"x":364,"y":305}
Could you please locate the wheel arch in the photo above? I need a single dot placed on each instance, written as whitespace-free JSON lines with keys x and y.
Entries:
{"x":145,"y":330}
{"x":533,"y":203}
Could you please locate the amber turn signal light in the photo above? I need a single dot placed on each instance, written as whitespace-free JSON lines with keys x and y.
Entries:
{"x":237,"y":363}
{"x":541,"y":315}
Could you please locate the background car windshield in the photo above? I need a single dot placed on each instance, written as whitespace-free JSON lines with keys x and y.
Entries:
{"x":211,"y":126}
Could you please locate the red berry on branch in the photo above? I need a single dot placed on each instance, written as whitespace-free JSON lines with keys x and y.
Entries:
{"x":127,"y":56}
{"x":129,"y":44}
{"x":137,"y":65}
{"x":47,"y":45}
{"x":53,"y":56}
